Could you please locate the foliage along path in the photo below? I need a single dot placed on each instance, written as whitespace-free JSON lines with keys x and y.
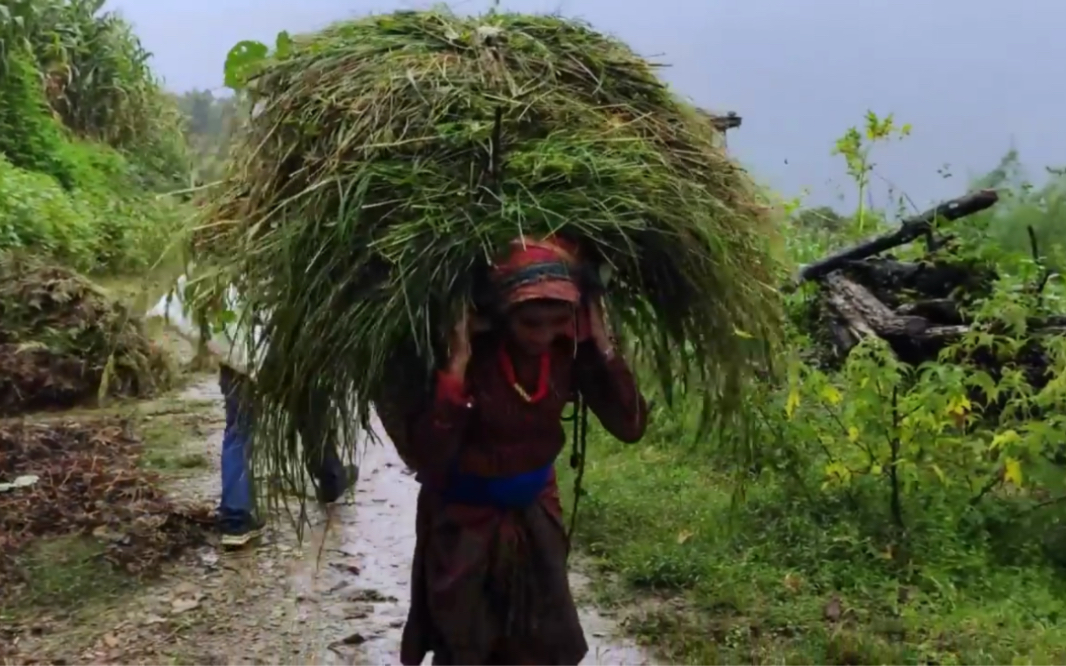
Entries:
{"x":340,"y":598}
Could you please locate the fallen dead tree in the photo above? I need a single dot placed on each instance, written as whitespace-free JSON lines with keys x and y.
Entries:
{"x":917,"y":307}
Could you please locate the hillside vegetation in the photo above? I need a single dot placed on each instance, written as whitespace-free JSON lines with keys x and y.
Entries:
{"x":93,"y":159}
{"x":89,"y":140}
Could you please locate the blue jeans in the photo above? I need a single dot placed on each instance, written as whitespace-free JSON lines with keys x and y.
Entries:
{"x":236,"y":507}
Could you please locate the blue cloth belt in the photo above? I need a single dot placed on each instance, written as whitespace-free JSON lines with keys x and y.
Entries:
{"x":511,"y":492}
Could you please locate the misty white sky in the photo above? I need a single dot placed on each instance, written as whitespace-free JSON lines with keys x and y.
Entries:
{"x":973,"y":77}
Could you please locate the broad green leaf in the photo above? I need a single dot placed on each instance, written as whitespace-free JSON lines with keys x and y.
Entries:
{"x":831,"y":395}
{"x":940,"y":474}
{"x":282,"y":44}
{"x":242,"y":61}
{"x":1004,"y":438}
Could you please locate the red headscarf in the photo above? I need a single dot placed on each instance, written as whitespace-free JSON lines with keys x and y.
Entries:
{"x":536,"y":269}
{"x":540,"y":269}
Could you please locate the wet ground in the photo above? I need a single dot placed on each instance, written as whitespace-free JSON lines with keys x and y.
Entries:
{"x":339,"y":598}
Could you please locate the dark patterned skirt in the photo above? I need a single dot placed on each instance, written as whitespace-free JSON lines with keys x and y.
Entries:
{"x":489,"y":586}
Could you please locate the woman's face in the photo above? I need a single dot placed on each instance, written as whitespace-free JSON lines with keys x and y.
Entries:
{"x":535,"y":325}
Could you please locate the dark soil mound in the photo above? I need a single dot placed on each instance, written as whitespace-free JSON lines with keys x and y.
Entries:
{"x":64,"y":342}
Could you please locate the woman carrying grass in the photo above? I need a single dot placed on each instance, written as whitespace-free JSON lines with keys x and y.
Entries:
{"x":489,"y":580}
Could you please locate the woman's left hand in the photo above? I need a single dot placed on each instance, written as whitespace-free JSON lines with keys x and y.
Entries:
{"x":599,"y":329}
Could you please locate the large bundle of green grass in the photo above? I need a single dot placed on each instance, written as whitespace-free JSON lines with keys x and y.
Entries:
{"x":390,"y":157}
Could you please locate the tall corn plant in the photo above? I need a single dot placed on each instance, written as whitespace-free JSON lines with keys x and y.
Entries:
{"x":97,"y":78}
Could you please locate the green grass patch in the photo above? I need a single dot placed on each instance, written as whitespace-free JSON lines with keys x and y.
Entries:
{"x":175,"y":461}
{"x":64,"y":573}
{"x":172,"y":431}
{"x":712,"y":579}
{"x":91,"y":568}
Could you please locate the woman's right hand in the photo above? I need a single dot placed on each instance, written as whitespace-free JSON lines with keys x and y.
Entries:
{"x":459,"y":350}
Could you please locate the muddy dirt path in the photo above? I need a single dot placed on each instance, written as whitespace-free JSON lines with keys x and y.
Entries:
{"x":340,"y":598}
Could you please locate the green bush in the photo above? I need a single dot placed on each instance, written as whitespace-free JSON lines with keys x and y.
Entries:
{"x":92,"y":229}
{"x":133,"y":233}
{"x":873,"y":514}
{"x":87,"y":136}
{"x":37,"y":213}
{"x":30,"y":137}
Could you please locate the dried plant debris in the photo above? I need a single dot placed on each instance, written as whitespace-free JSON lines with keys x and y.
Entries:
{"x":86,"y":481}
{"x":63,"y":341}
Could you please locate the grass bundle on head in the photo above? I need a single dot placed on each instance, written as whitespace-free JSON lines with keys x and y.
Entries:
{"x":390,"y":157}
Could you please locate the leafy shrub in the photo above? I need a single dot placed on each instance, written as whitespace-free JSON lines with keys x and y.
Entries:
{"x":91,"y":230}
{"x":36,"y":212}
{"x":879,"y":513}
{"x":30,"y":137}
{"x":86,"y":135}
